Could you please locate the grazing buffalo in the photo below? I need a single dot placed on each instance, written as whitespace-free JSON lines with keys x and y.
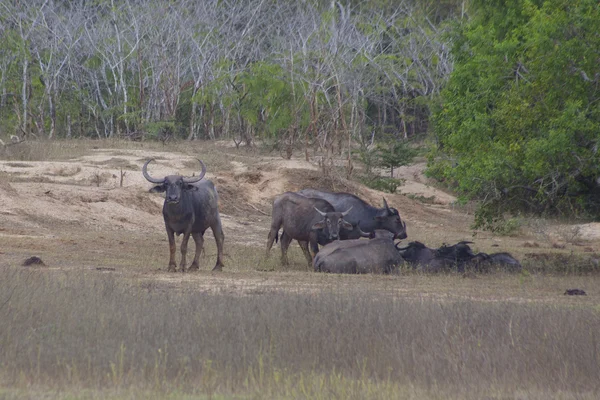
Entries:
{"x":310,"y":221}
{"x":363,"y":215}
{"x":356,"y":256}
{"x":456,"y":256}
{"x":191,"y":207}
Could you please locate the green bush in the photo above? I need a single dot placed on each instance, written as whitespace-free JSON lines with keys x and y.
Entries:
{"x":487,"y":218}
{"x":383,"y":183}
{"x":518,"y":121}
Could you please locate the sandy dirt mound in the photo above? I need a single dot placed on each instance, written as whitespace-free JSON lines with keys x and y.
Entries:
{"x":104,"y":190}
{"x":418,"y":185}
{"x":101,"y":191}
{"x":589,"y":231}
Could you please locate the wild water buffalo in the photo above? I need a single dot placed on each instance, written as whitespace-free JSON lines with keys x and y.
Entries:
{"x":456,"y":256}
{"x":191,"y":207}
{"x":483,"y":261}
{"x":356,"y":256}
{"x":310,"y":221}
{"x":363,"y":215}
{"x":434,"y":260}
{"x":380,"y":255}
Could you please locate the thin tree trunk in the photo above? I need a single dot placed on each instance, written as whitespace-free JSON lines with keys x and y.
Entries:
{"x":192,"y":133}
{"x":212,"y":122}
{"x":52,"y":108}
{"x":68,"y":126}
{"x":342,"y":121}
{"x":24,"y":99}
{"x":226,"y":124}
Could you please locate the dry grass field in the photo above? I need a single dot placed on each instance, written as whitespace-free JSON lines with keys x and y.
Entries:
{"x":103,"y":319}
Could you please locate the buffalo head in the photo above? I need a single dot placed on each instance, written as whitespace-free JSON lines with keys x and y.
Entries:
{"x":332,"y":222}
{"x":173,"y":185}
{"x":389,"y":219}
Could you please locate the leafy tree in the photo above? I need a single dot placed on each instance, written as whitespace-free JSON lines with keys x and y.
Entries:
{"x":393,"y":154}
{"x":518,"y":123}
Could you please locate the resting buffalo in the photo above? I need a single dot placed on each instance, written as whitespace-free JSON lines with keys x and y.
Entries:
{"x":363,"y":215}
{"x":434,"y":260}
{"x":456,"y":256}
{"x":380,"y":255}
{"x":482,"y":261}
{"x":310,"y":221}
{"x":191,"y":207}
{"x":356,"y":256}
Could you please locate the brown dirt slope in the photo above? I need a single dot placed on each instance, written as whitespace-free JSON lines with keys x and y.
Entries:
{"x":103,"y":190}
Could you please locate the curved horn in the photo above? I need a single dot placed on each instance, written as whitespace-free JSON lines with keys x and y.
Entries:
{"x":320,"y":212}
{"x":147,"y":175}
{"x":194,"y":179}
{"x":346,"y":212}
{"x":363,"y":233}
{"x":385,"y":204}
{"x":401,"y":248}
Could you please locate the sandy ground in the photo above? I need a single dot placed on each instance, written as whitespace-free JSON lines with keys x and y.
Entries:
{"x":95,"y":211}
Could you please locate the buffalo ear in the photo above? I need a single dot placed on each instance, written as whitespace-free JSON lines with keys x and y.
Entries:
{"x":189,"y":186}
{"x":347,"y":225}
{"x":318,"y":225}
{"x":157,"y":189}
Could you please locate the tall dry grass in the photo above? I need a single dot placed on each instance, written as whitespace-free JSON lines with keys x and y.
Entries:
{"x":94,"y":331}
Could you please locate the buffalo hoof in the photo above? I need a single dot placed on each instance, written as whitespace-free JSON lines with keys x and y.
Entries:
{"x":172,"y":268}
{"x":193,"y":267}
{"x":218,"y":267}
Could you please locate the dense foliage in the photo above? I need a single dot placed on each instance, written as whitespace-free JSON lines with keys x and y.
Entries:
{"x":519,"y":120}
{"x":299,"y":73}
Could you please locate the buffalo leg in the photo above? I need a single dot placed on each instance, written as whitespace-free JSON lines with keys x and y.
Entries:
{"x":272,"y":237}
{"x":314,"y":245}
{"x":304,"y":247}
{"x":172,"y":264}
{"x":219,"y":238}
{"x":199,"y":240}
{"x":184,"y":244}
{"x":285,"y":240}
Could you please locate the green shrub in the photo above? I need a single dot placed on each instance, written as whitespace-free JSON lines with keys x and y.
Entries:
{"x":383,"y":183}
{"x":518,"y":121}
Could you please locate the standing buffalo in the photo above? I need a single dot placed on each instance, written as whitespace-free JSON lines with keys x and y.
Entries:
{"x":310,"y":221}
{"x":363,"y":215}
{"x":356,"y":256}
{"x":191,"y":207}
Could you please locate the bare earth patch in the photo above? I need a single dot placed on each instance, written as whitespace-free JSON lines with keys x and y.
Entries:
{"x":100,"y":201}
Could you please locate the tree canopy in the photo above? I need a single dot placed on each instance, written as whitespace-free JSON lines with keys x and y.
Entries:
{"x":518,"y":123}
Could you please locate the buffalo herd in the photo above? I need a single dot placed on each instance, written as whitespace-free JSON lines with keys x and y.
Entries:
{"x":355,"y":237}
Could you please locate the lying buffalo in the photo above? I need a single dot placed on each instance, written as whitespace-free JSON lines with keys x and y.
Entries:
{"x":363,"y":215}
{"x":190,"y":208}
{"x":380,"y":255}
{"x":356,"y":256}
{"x":434,"y":260}
{"x":457,"y":256}
{"x":484,"y":261}
{"x":310,"y":221}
